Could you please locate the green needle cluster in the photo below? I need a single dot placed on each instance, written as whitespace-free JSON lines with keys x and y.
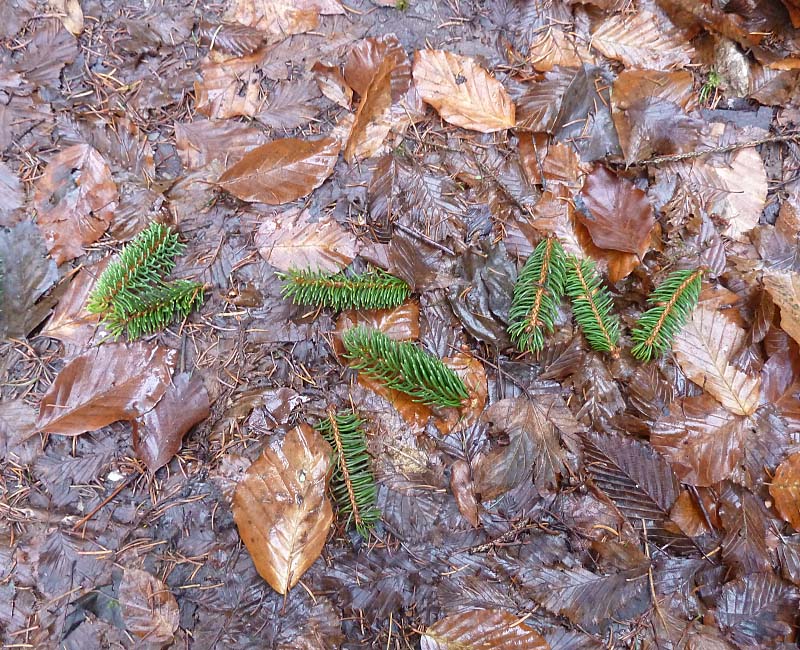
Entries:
{"x":374,"y":289}
{"x":591,"y":304}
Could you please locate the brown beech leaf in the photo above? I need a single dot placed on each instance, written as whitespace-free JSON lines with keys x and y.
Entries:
{"x":701,"y":439}
{"x":704,"y":349}
{"x":784,"y":287}
{"x":482,"y":629}
{"x":554,"y":47}
{"x":332,"y":84}
{"x":149,"y":609}
{"x":115,"y":381}
{"x":463,"y":491}
{"x":281,"y":18}
{"x":11,"y":196}
{"x":230,"y":87}
{"x":785,"y":489}
{"x":400,"y":323}
{"x":688,"y":516}
{"x":75,"y":199}
{"x":281,"y":508}
{"x":282,"y":170}
{"x":462,"y":92}
{"x":621,"y":217}
{"x":201,"y":141}
{"x":639,"y":41}
{"x":291,"y":240}
{"x":161,"y":432}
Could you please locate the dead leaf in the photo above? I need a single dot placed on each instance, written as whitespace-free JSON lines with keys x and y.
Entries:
{"x":399,"y":324}
{"x":332,"y":84}
{"x":688,"y":516}
{"x":621,"y":216}
{"x":115,"y":381}
{"x":290,"y":240}
{"x":11,"y":196}
{"x":282,"y":170}
{"x":281,"y":18}
{"x":701,"y":439}
{"x":745,"y":181}
{"x":75,"y":199}
{"x":201,"y":141}
{"x":462,"y":92}
{"x":553,"y":47}
{"x":704,"y":349}
{"x":785,"y":489}
{"x":281,"y":508}
{"x":230,"y":87}
{"x":482,"y":629}
{"x":149,"y":609}
{"x":463,"y":491}
{"x":291,"y":104}
{"x":72,"y":14}
{"x":160,"y":435}
{"x":784,"y":287}
{"x":639,"y":41}
{"x":26,"y":273}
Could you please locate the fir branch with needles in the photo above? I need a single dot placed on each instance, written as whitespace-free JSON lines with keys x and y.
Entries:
{"x":672,"y":303}
{"x":591,"y":304}
{"x":404,"y":367}
{"x":374,"y":289}
{"x":537,"y":293}
{"x":352,"y":481}
{"x":142,"y":263}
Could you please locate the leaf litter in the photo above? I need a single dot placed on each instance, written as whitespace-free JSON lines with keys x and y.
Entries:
{"x":173,"y":492}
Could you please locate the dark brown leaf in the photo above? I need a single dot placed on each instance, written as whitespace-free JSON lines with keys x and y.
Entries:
{"x":463,"y":491}
{"x":563,"y":96}
{"x":115,"y":381}
{"x":785,"y":489}
{"x":162,"y":429}
{"x":482,"y":629}
{"x":148,"y":607}
{"x":281,"y":508}
{"x":201,"y":141}
{"x":75,"y":200}
{"x":281,"y":171}
{"x":11,"y":196}
{"x":745,"y":544}
{"x":290,"y":105}
{"x":620,"y":216}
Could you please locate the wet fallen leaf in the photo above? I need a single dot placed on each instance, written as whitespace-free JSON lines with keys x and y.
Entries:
{"x":281,"y":508}
{"x":291,"y":104}
{"x":115,"y":381}
{"x":482,"y":629}
{"x":281,"y":18}
{"x":785,"y":489}
{"x":291,"y":240}
{"x":71,"y":14}
{"x":75,"y":199}
{"x":462,"y":92}
{"x":11,"y":196}
{"x":463,"y":491}
{"x":332,"y":84}
{"x":26,"y":273}
{"x":282,"y":170}
{"x":688,"y":516}
{"x":160,"y":434}
{"x":400,"y":323}
{"x":201,"y":141}
{"x":704,"y":348}
{"x":149,"y":609}
{"x":230,"y":87}
{"x":784,"y":287}
{"x":621,"y":217}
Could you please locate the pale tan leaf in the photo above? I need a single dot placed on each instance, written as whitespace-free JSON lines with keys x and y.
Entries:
{"x":704,"y":348}
{"x":70,"y":13}
{"x":639,"y":41}
{"x":552,"y":47}
{"x":201,"y":141}
{"x":745,"y":180}
{"x":149,"y":609}
{"x":784,"y":287}
{"x":281,"y":18}
{"x":282,"y":170}
{"x":230,"y":86}
{"x":482,"y":629}
{"x":281,"y":508}
{"x":462,"y":92}
{"x":292,"y":241}
{"x":785,"y":489}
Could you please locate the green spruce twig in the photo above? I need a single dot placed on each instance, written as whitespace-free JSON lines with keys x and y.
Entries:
{"x":352,"y":482}
{"x":673,"y":301}
{"x":142,"y":263}
{"x":591,"y":304}
{"x":537,"y":293}
{"x":375,"y":289}
{"x":404,"y":367}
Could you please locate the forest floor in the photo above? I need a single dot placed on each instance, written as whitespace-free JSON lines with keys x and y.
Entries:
{"x":171,"y":492}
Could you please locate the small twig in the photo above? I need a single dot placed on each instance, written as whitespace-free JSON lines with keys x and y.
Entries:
{"x":106,"y":501}
{"x":418,"y":235}
{"x":658,"y":160}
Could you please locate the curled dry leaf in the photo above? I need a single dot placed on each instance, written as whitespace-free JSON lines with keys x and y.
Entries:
{"x":785,"y":489}
{"x":621,"y":217}
{"x":281,"y":508}
{"x":162,"y":429}
{"x":75,"y":199}
{"x":639,"y":41}
{"x":115,"y":381}
{"x":482,"y":629}
{"x":462,"y":92}
{"x":784,"y":287}
{"x":149,"y":609}
{"x":291,"y":240}
{"x":281,"y":171}
{"x":704,"y":349}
